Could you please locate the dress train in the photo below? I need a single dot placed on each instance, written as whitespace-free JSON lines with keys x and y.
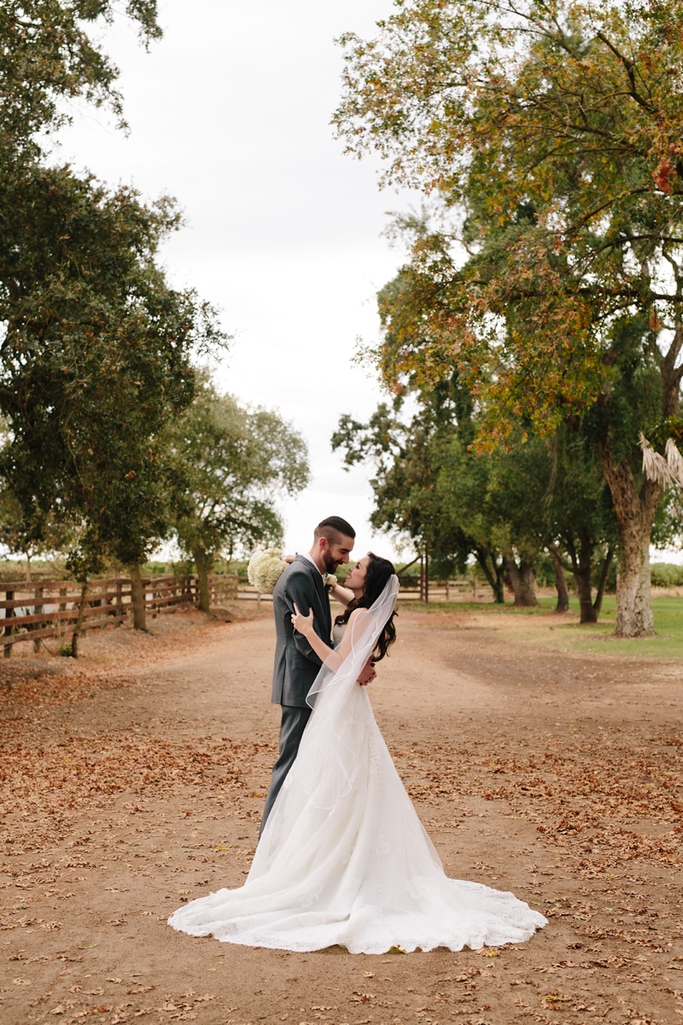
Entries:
{"x":344,"y":858}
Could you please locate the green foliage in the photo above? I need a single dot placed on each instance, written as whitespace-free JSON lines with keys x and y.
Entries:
{"x":665,"y":574}
{"x":407,"y":456}
{"x":556,"y":131}
{"x":95,"y":347}
{"x":48,"y":56}
{"x":431,"y":485}
{"x":94,"y":358}
{"x":228,"y":466}
{"x":551,"y":276}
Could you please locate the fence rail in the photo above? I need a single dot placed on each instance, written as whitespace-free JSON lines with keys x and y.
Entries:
{"x":41,"y":609}
{"x":410,"y":590}
{"x":469,"y":589}
{"x":37,"y":610}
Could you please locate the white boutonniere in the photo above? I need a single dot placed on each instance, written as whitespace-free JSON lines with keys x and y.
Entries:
{"x":330,"y":581}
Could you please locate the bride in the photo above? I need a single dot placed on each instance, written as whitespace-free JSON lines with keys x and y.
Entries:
{"x":343,"y":858}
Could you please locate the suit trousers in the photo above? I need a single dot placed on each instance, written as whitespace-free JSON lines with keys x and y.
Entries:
{"x":291,"y":731}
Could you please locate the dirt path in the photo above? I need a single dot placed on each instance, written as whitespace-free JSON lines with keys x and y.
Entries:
{"x":135,"y":780}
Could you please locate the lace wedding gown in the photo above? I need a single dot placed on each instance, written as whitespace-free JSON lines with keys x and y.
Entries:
{"x":345,"y":860}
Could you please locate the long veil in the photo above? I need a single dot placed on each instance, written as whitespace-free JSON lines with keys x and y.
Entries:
{"x":363,"y":631}
{"x":327,"y":767}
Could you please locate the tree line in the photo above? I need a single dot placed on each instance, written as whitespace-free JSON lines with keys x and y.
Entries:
{"x":114,"y":438}
{"x":532,"y":340}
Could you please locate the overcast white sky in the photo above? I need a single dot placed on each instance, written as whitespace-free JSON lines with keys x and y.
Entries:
{"x":230,"y":114}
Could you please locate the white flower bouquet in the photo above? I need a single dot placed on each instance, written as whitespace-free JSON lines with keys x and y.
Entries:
{"x":264,"y":569}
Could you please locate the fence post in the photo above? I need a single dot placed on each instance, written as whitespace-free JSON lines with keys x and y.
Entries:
{"x":9,"y":630}
{"x":424,"y":575}
{"x":37,"y":609}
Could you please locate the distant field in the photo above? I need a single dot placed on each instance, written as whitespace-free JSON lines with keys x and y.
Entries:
{"x":564,"y":630}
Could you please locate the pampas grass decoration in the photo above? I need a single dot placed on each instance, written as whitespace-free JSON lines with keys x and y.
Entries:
{"x":667,"y":469}
{"x":674,"y":461}
{"x":655,"y":467}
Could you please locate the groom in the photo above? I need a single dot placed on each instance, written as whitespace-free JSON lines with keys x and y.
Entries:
{"x":296,"y":664}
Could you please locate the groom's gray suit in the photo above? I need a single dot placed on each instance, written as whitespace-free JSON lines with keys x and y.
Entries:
{"x":296,"y":664}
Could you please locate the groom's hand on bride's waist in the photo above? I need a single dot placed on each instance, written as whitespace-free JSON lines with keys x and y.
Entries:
{"x":368,"y":673}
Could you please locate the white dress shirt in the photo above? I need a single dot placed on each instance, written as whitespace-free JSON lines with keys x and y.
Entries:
{"x":305,"y":555}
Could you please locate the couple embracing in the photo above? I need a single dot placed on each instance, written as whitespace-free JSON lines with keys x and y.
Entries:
{"x":343,"y":857}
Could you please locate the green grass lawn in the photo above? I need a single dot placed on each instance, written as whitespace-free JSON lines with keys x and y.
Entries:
{"x":565,"y":631}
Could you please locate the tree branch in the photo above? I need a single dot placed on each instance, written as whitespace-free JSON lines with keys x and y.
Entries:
{"x":630,"y":71}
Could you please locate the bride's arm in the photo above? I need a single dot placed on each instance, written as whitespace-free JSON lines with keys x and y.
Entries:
{"x":332,"y":659}
{"x":341,"y":594}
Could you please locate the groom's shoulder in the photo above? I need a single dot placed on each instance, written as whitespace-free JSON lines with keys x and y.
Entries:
{"x":298,"y":571}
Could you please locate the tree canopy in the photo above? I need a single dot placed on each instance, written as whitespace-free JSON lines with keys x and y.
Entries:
{"x":97,"y":349}
{"x":228,"y":465}
{"x":95,"y":356}
{"x":48,"y":56}
{"x":549,"y":137}
{"x":504,"y":508}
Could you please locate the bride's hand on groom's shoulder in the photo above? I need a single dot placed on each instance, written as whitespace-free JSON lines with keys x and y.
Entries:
{"x":303,"y":624}
{"x":368,"y":673}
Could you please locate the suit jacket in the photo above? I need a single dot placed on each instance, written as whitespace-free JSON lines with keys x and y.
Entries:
{"x":296,"y":664}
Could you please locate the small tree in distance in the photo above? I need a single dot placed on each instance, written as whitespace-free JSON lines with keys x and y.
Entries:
{"x":228,"y":465}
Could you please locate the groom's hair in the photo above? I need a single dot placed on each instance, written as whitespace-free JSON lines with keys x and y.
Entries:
{"x":333,"y":528}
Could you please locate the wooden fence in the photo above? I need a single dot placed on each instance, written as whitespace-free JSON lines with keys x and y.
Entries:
{"x":412,"y":589}
{"x":469,"y":589}
{"x":37,"y":610}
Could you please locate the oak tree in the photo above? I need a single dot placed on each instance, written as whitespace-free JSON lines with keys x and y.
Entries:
{"x":229,"y":465}
{"x":549,"y":135}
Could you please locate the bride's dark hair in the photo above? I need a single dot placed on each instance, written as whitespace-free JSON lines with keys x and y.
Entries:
{"x":376,"y":577}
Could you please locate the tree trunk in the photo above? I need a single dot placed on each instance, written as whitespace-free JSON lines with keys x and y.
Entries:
{"x":523,"y":579}
{"x":137,"y":598}
{"x":584,"y":592}
{"x":202,"y":564}
{"x":499,"y":586}
{"x":582,"y":576}
{"x":635,"y":513}
{"x":493,"y":576}
{"x":604,"y":573}
{"x":582,"y":565}
{"x":79,"y":622}
{"x":560,"y":579}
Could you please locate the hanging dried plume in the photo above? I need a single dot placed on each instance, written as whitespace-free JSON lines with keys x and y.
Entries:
{"x":666,"y":469}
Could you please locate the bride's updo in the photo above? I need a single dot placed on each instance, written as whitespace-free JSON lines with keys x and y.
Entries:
{"x":377,"y":575}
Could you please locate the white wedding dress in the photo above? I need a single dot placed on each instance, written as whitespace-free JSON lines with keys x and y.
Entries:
{"x":343,"y":858}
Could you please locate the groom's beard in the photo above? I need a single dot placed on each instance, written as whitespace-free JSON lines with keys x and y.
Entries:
{"x":330,"y":562}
